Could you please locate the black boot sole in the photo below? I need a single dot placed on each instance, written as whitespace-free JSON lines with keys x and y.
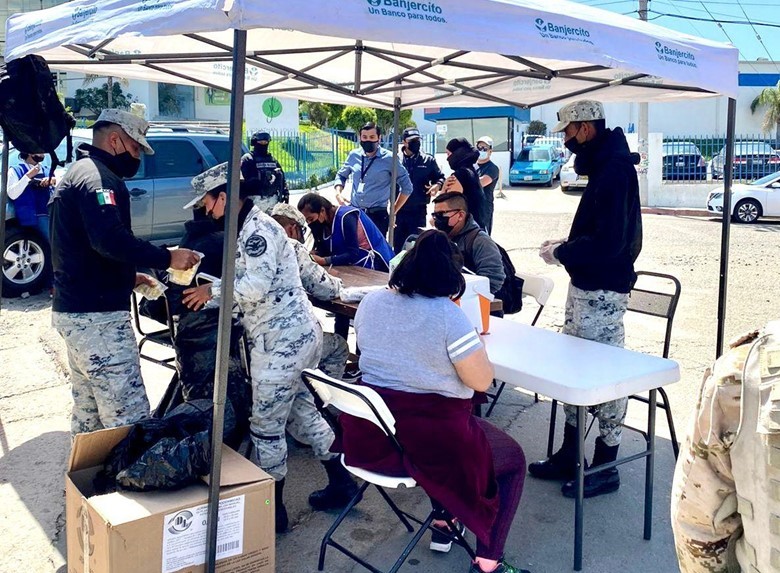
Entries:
{"x":569,"y":489}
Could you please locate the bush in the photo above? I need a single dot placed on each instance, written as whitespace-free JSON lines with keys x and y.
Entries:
{"x":537,"y":127}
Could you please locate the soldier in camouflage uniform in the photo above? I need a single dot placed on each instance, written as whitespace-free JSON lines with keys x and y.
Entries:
{"x":318,"y":283}
{"x":94,"y":256}
{"x":726,"y":489}
{"x":604,"y":241}
{"x":285,"y":337}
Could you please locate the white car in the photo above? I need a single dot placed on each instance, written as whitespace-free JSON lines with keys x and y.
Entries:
{"x":749,"y":201}
{"x":569,"y":178}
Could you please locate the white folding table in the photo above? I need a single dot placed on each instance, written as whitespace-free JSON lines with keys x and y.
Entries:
{"x":581,"y":373}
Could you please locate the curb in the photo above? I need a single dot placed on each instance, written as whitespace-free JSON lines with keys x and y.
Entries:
{"x":677,"y":212}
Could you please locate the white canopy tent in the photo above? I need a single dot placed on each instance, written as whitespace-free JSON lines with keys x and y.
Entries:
{"x":378,"y":53}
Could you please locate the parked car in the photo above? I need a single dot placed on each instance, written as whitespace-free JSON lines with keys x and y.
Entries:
{"x":158,"y":193}
{"x":752,"y":160}
{"x":554,"y":142}
{"x":749,"y":201}
{"x":569,"y":177}
{"x":534,"y":165}
{"x":683,"y":160}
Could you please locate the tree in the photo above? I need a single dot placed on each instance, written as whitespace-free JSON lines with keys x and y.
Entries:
{"x":169,"y":100}
{"x":769,"y":98}
{"x":356,"y":117}
{"x":537,"y":127}
{"x":384,"y":119}
{"x":96,"y":99}
{"x":322,"y":115}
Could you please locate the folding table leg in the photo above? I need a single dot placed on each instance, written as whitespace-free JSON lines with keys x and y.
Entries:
{"x":578,"y":506}
{"x":650,"y":464}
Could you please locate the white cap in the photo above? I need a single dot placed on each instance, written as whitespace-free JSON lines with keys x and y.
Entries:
{"x":487,"y":140}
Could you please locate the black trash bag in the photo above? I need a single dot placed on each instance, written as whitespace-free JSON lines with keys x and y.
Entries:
{"x":169,"y":464}
{"x":165,"y":454}
{"x":203,"y":407}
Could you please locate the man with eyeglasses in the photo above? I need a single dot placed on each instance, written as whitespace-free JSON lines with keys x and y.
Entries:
{"x":488,"y":177}
{"x":480,"y":252}
{"x":317,"y":282}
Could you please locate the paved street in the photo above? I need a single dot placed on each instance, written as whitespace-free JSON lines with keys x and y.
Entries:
{"x":34,"y":439}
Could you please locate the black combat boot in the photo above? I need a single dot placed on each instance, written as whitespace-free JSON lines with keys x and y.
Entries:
{"x":340,"y":489}
{"x":562,"y":465}
{"x":605,"y":481}
{"x":282,"y":523}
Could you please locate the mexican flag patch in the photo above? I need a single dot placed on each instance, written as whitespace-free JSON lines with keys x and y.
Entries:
{"x":105,"y":197}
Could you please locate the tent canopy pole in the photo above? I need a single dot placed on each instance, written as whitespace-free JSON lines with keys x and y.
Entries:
{"x":394,"y":168}
{"x":226,"y":300}
{"x":728,"y":175}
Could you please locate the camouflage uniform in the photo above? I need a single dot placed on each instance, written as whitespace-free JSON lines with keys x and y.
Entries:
{"x":105,"y":369}
{"x":598,"y":315}
{"x":324,"y":286}
{"x":726,"y":489}
{"x":284,"y":336}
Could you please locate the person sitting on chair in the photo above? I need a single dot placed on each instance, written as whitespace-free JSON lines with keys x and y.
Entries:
{"x":344,"y":235}
{"x":427,"y":377}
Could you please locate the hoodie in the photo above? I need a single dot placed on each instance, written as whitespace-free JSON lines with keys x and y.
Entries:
{"x":606,"y":234}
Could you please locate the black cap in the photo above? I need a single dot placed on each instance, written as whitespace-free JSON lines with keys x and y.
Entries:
{"x":260,"y":136}
{"x":411,"y":132}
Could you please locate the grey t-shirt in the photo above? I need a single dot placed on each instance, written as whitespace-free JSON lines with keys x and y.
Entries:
{"x":411,"y":343}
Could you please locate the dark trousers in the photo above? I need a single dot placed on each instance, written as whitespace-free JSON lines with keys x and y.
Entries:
{"x":380,"y":217}
{"x":509,"y":467}
{"x":488,"y":217}
{"x":408,"y":222}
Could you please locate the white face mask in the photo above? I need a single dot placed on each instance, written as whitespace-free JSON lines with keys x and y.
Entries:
{"x":483,"y":155}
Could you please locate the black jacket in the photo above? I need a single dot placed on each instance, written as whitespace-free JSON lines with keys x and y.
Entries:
{"x":472,"y":191}
{"x":94,"y":251}
{"x":423,"y":171}
{"x":606,"y":235}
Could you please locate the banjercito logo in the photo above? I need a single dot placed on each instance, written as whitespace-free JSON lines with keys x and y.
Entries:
{"x":407,"y":9}
{"x":554,"y":31}
{"x":675,"y":55}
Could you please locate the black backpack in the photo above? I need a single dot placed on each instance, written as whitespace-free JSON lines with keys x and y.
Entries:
{"x":511,"y":292}
{"x":31,"y":115}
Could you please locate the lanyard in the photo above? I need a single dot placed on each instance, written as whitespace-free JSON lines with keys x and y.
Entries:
{"x":364,"y":172}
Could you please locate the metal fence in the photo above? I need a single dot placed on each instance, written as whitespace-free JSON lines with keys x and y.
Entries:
{"x":702,"y":158}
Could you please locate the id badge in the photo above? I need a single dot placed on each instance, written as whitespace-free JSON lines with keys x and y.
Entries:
{"x":359,"y":190}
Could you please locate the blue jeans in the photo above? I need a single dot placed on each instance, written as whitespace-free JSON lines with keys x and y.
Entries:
{"x":42,"y":224}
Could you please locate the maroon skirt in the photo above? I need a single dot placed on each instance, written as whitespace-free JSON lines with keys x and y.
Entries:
{"x":445,"y":451}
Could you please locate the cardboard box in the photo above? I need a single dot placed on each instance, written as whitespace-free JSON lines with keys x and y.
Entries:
{"x":165,"y":532}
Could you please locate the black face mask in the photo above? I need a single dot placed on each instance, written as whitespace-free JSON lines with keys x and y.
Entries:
{"x":125,"y":165}
{"x":442,"y":222}
{"x":369,"y":146}
{"x":413,"y":146}
{"x":261,"y":149}
{"x":37,"y":158}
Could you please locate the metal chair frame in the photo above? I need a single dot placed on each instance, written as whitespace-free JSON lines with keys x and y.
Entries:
{"x":539,"y":288}
{"x":163,"y":337}
{"x":372,"y":414}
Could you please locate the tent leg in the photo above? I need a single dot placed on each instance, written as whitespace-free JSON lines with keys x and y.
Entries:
{"x":226,"y":300}
{"x":394,"y":170}
{"x":3,"y":204}
{"x":728,"y":174}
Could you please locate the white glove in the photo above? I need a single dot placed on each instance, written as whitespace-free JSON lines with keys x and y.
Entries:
{"x":546,"y":252}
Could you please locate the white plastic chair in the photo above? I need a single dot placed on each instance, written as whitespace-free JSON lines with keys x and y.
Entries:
{"x":365,"y":403}
{"x":539,"y":288}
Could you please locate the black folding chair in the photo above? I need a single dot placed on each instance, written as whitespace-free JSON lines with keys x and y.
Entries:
{"x":659,"y":303}
{"x":365,"y":403}
{"x":163,"y":337}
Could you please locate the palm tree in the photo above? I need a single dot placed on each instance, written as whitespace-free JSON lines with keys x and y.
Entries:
{"x":770,"y":98}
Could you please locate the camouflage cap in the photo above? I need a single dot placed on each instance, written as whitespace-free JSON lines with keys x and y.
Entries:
{"x":287,"y":210}
{"x":581,"y":110}
{"x":206,"y":181}
{"x":135,"y":127}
